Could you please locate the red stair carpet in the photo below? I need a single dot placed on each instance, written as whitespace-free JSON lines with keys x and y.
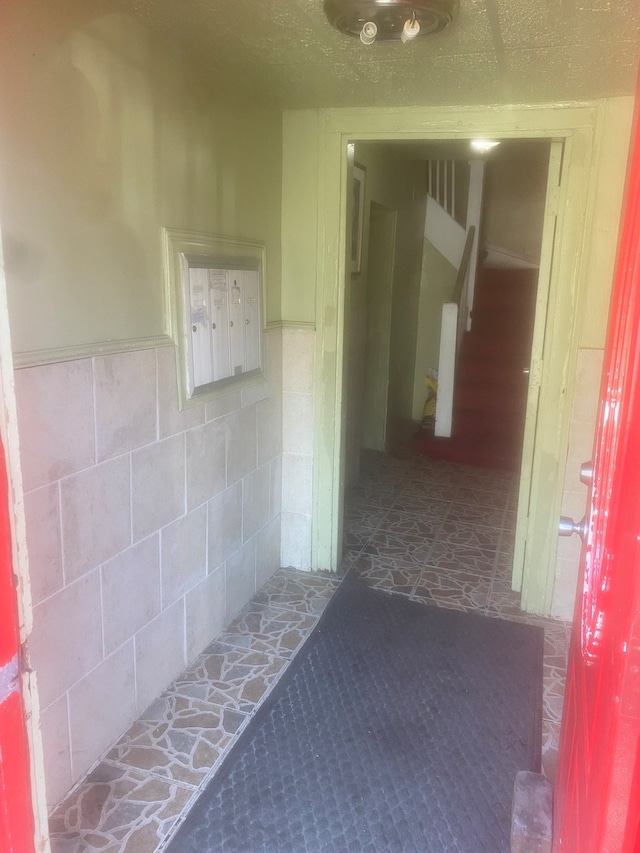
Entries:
{"x":491,"y":375}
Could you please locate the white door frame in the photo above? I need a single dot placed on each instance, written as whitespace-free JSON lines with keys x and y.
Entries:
{"x":576,"y":128}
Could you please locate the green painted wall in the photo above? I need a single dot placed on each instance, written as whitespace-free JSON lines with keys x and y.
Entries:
{"x":300,"y":192}
{"x":391,"y":181}
{"x":109,"y":133}
{"x":513,"y":204}
{"x":398,"y":184}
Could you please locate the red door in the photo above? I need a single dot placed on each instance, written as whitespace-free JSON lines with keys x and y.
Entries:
{"x":597,"y":807}
{"x":16,"y":816}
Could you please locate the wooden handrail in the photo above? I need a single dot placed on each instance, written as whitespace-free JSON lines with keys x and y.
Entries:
{"x":464,"y":265}
{"x":451,"y":331}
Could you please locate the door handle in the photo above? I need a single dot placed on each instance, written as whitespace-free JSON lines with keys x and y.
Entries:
{"x":586,"y":473}
{"x":567,"y":527}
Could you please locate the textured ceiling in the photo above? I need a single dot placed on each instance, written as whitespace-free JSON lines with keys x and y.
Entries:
{"x":496,"y":51}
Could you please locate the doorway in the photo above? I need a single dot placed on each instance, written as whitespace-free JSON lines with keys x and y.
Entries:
{"x":572,"y":203}
{"x":381,"y":309}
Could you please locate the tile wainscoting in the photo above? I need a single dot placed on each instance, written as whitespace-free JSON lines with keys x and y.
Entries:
{"x":148,"y":529}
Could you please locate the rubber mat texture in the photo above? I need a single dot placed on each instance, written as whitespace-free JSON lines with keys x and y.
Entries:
{"x":398,"y":727}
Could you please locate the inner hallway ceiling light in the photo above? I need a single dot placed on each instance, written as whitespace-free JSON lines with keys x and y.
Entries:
{"x":484,"y":145}
{"x":390,"y":20}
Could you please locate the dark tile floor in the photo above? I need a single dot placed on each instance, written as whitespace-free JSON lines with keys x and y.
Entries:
{"x":436,"y":532}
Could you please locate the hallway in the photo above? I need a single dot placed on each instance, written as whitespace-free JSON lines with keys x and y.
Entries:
{"x":437,"y":532}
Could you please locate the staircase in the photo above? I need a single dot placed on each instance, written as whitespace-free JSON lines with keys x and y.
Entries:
{"x":491,"y":375}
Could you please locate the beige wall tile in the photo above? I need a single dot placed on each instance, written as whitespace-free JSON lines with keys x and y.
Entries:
{"x":297,"y":423}
{"x":96,"y":516}
{"x":223,"y":405}
{"x":206,"y":462}
{"x":255,"y":502}
{"x":54,"y":724}
{"x":125,"y":400}
{"x":254,"y":393}
{"x":564,"y":589}
{"x":296,"y":540}
{"x":297,"y":473}
{"x":273,"y":365}
{"x":581,"y":437}
{"x":170,"y":419}
{"x":130,"y":591}
{"x":241,"y":444}
{"x":587,"y":389}
{"x":574,"y":504}
{"x":66,"y":641}
{"x":269,"y":426}
{"x":56,"y":420}
{"x":160,"y":654}
{"x":101,"y":706}
{"x":240,"y":579}
{"x":275,"y":498}
{"x":225,"y":525}
{"x":158,"y":485}
{"x":267,"y":552}
{"x":184,"y":554}
{"x":297,"y":360}
{"x":569,"y":548}
{"x":205,"y":612}
{"x":44,"y":544}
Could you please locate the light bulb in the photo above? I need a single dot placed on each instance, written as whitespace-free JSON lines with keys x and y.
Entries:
{"x":484,"y":145}
{"x":410,"y":30}
{"x":368,"y":33}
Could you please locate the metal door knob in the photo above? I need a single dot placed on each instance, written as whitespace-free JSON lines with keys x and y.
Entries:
{"x":567,"y":527}
{"x":586,"y":473}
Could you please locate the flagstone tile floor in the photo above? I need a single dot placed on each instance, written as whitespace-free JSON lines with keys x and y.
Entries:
{"x":437,"y":532}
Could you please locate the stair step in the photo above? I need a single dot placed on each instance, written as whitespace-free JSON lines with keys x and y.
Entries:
{"x":474,"y":370}
{"x":469,"y":399}
{"x":491,"y":386}
{"x":497,"y":349}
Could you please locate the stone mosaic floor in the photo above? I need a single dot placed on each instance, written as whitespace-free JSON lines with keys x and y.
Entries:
{"x":436,"y":532}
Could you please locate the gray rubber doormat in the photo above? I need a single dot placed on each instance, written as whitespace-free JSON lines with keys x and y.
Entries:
{"x":398,"y":727}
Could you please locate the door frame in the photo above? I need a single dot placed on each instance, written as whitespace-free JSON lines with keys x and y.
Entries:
{"x":579,"y":129}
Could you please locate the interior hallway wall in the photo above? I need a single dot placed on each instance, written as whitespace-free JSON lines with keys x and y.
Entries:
{"x":514,"y":198}
{"x":108,"y":133}
{"x":147,"y":528}
{"x":389,"y":181}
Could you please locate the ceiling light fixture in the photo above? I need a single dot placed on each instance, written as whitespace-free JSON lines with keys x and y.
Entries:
{"x":410,"y":30}
{"x":368,"y":33}
{"x":388,"y":20}
{"x":484,"y":145}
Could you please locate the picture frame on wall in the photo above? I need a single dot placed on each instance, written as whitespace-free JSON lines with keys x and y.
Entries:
{"x":357,"y":217}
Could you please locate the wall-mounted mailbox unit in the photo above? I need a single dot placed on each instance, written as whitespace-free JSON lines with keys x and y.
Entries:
{"x":215,"y":285}
{"x":225,"y":323}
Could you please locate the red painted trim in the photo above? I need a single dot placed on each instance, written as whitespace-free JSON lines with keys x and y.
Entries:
{"x":16,"y":812}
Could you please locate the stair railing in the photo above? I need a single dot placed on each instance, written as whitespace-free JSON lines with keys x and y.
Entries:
{"x":454,"y":322}
{"x":441,"y":180}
